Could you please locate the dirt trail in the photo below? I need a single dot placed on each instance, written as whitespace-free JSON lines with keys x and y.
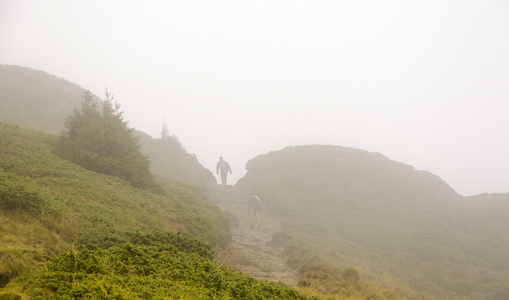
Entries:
{"x":252,"y":250}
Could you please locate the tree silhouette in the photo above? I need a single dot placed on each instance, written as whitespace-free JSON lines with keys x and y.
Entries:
{"x":164,"y":131}
{"x":101,"y":141}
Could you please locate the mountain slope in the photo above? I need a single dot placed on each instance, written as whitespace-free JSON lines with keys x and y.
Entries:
{"x":37,"y":100}
{"x":170,"y":160}
{"x":47,"y":204}
{"x":342,"y":206}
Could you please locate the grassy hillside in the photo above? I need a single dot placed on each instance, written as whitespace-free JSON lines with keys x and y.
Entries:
{"x":37,"y":100}
{"x":68,"y":233}
{"x":346,"y":207}
{"x":48,"y":204}
{"x":171,"y":161}
{"x":104,"y":238}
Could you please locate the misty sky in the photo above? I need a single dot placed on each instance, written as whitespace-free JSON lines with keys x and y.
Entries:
{"x":425,"y":83}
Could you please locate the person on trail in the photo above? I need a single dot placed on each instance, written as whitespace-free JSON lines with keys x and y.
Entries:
{"x":255,"y":206}
{"x":224,"y":167}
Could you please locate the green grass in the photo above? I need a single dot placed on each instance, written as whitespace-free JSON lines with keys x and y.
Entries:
{"x":69,"y":233}
{"x":147,"y":267}
{"x":95,"y":204}
{"x":49,"y":204}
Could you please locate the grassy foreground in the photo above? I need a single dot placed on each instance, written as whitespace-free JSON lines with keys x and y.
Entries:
{"x":161,"y":266}
{"x":69,"y":233}
{"x":49,"y":205}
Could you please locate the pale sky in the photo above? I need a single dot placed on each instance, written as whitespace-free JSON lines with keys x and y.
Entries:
{"x":425,"y":83}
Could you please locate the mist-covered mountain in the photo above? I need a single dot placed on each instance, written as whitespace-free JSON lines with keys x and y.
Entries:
{"x":170,"y":160}
{"x":342,"y":206}
{"x":37,"y":100}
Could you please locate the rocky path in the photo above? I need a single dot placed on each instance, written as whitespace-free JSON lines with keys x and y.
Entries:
{"x":252,"y":250}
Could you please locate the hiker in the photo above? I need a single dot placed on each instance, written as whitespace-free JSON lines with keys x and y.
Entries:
{"x":255,"y":206}
{"x":224,"y":167}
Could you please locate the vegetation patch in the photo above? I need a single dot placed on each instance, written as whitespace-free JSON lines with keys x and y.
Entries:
{"x":163,"y":266}
{"x":50,"y":204}
{"x":398,"y":226}
{"x":18,"y":198}
{"x":99,"y":140}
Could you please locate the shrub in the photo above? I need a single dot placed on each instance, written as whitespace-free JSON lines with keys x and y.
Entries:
{"x":151,"y":269}
{"x":18,"y":198}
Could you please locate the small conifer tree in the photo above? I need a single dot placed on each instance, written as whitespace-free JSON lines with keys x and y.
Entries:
{"x":101,"y":141}
{"x":164,"y":131}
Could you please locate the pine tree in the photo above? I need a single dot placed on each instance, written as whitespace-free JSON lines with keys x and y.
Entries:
{"x":164,"y":131}
{"x":101,"y":141}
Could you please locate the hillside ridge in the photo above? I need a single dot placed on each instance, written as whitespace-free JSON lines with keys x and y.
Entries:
{"x":344,"y":206}
{"x":37,"y":100}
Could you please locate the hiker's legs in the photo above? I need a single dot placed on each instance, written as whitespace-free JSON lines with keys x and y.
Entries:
{"x":223,"y":178}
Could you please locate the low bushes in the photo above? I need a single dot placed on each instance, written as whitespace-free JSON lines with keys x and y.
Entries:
{"x":160,"y":266}
{"x":16,"y":197}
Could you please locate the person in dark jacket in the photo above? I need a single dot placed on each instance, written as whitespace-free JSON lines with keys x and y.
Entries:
{"x":224,"y":167}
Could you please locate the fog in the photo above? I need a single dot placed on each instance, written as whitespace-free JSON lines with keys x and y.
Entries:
{"x":422,"y":82}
